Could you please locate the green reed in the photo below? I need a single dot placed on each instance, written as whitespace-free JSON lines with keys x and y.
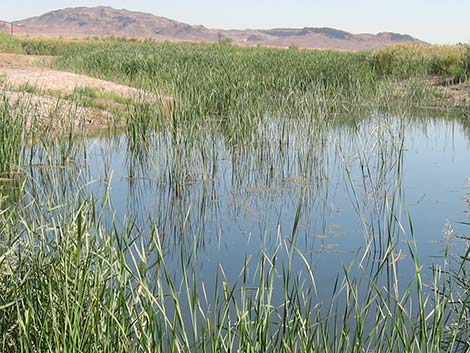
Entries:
{"x":409,"y":60}
{"x":68,"y":285}
{"x":225,"y":81}
{"x":11,"y":135}
{"x":75,"y":278}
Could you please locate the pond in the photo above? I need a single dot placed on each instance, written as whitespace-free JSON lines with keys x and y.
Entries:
{"x":315,"y":198}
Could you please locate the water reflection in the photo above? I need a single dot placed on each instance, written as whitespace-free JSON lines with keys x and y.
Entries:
{"x":337,"y":191}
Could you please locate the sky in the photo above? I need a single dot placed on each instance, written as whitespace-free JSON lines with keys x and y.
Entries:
{"x":435,"y":21}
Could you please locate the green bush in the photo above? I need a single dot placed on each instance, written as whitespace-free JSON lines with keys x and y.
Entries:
{"x":413,"y":60}
{"x":9,"y":43}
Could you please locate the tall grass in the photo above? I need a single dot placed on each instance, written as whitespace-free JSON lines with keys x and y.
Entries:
{"x":11,"y":135}
{"x":76,"y":278}
{"x":69,"y":285}
{"x":9,"y":44}
{"x":210,"y":81}
{"x":50,"y":46}
{"x":409,"y":60}
{"x":227,"y":81}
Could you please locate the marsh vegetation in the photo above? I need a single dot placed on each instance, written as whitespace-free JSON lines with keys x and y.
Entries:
{"x":282,"y":201}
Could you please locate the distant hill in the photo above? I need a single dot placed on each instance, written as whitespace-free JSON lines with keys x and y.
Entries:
{"x":5,"y":26}
{"x":106,"y":21}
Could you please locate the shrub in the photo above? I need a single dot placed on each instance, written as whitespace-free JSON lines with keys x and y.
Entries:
{"x":412,"y":60}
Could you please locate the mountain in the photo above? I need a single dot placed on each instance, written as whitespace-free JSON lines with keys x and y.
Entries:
{"x":106,"y":21}
{"x":4,"y":26}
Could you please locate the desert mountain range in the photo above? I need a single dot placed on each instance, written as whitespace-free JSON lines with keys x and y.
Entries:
{"x":106,"y":21}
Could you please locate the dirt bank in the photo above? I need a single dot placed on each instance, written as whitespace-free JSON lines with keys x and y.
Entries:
{"x":47,"y":93}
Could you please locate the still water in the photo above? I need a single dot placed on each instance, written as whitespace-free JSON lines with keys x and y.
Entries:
{"x":337,"y":193}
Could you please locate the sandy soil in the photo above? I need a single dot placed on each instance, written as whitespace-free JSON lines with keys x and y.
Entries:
{"x":16,"y":71}
{"x":54,"y":115}
{"x":20,"y":69}
{"x":458,"y":93}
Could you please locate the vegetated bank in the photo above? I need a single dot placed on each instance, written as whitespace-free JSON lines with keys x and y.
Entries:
{"x":231,"y":81}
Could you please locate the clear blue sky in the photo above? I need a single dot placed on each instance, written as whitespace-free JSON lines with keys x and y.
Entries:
{"x":437,"y":21}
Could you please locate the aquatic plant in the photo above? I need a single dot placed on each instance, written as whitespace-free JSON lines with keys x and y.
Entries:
{"x":75,"y":276}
